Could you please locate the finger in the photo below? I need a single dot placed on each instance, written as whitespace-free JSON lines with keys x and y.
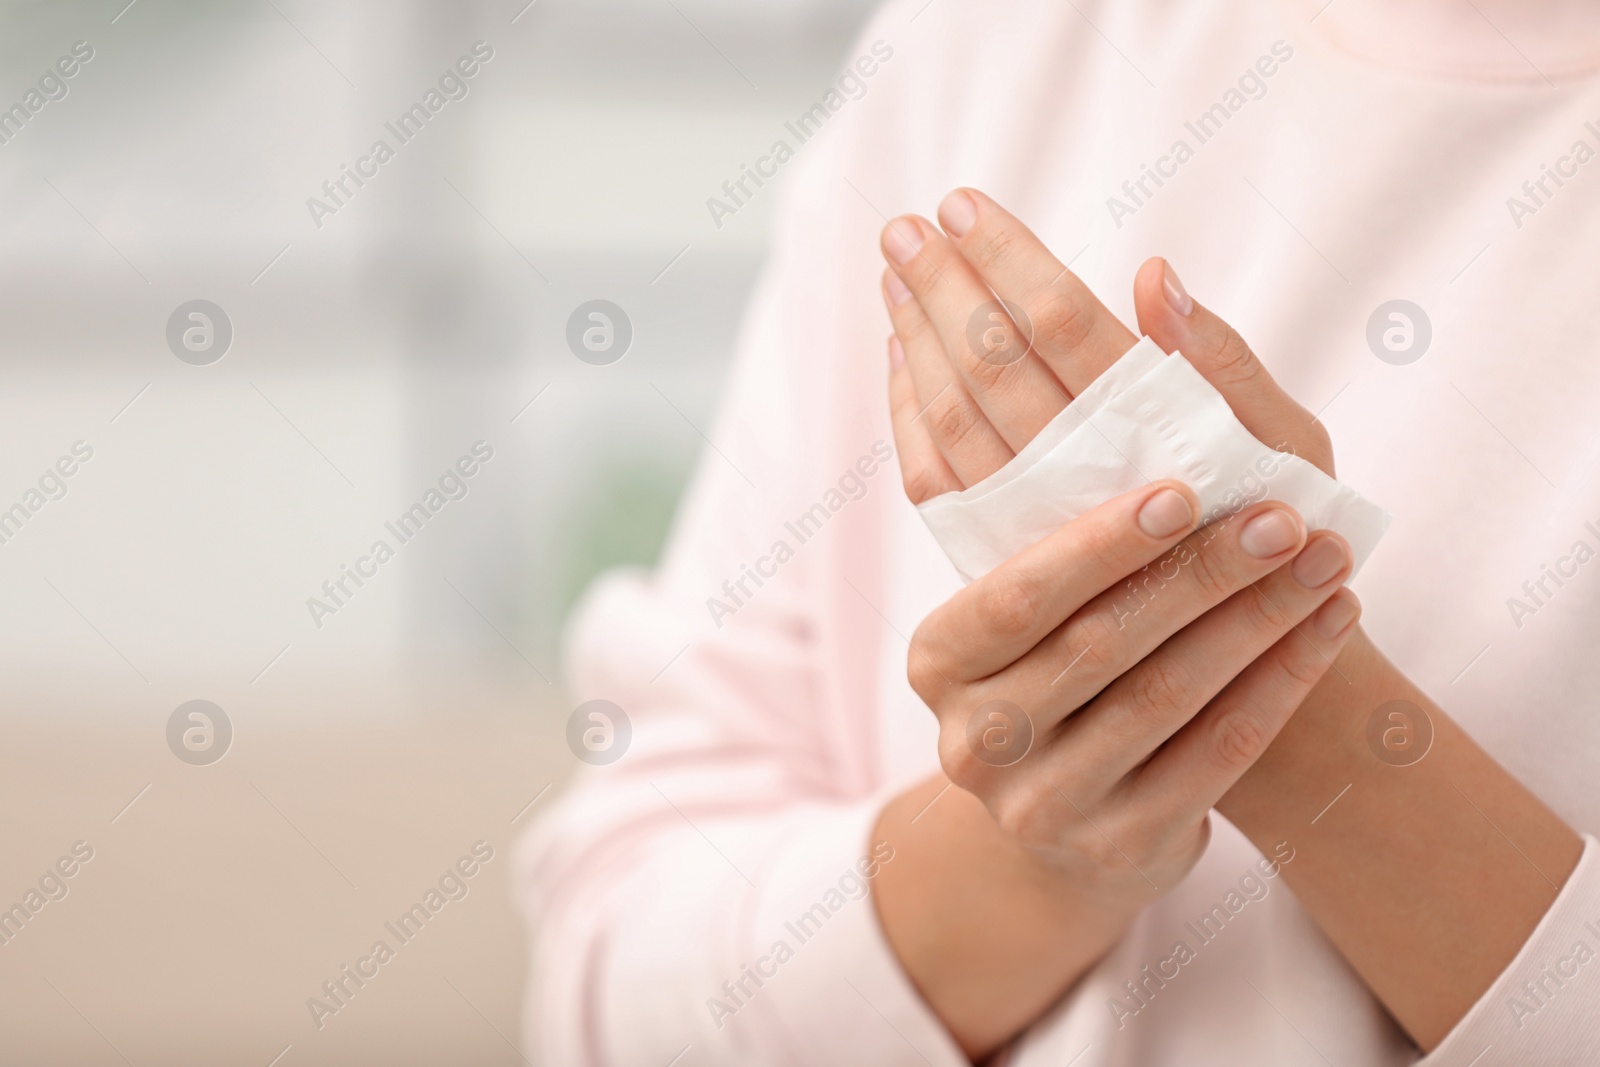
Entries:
{"x":1193,"y":770}
{"x":1173,"y":319}
{"x":1016,"y":391}
{"x":1142,"y":709}
{"x":923,"y":469}
{"x":998,"y":618}
{"x":1132,"y":618}
{"x":956,"y":423}
{"x":1074,"y":333}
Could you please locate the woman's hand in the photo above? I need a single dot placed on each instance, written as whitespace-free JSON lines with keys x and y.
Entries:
{"x":1101,"y":690}
{"x":969,"y":387}
{"x":1002,"y":896}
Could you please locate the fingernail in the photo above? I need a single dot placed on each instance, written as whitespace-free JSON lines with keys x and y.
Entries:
{"x":957,"y":214}
{"x":896,"y":289}
{"x":1269,"y":534}
{"x":901,"y":239}
{"x":1337,"y":615}
{"x":1165,"y":513}
{"x":1177,"y":295}
{"x":897,"y":354}
{"x":1321,"y":560}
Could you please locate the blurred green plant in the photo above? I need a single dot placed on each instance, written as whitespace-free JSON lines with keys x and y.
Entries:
{"x":621,"y":520}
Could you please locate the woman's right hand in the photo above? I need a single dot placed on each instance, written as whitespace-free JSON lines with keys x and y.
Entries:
{"x":1099,"y":691}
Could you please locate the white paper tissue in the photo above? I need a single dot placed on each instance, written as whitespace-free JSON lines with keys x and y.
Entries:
{"x":1151,"y":416}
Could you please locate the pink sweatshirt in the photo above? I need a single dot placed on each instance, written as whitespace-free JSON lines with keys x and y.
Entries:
{"x":705,"y":897}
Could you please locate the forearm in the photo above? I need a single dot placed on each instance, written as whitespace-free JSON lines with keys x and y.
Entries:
{"x":990,"y":934}
{"x":1427,"y":877}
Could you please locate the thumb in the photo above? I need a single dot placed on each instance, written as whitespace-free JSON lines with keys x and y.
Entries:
{"x":1176,"y":322}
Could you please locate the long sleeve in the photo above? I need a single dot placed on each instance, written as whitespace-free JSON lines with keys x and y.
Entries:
{"x":707,"y":894}
{"x":669,"y":878}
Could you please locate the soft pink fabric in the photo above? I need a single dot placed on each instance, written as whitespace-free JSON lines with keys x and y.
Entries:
{"x":765,"y":748}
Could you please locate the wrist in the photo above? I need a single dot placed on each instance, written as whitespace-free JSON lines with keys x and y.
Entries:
{"x":990,"y":934}
{"x":957,"y":832}
{"x":1323,"y":743}
{"x":1406,"y":833}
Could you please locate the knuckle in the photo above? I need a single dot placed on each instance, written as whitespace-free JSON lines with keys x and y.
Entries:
{"x":1011,"y":602}
{"x":957,"y":761}
{"x":1234,"y":360}
{"x":1209,"y":573}
{"x":1061,"y":319}
{"x":994,"y":244}
{"x":1016,"y":812}
{"x":988,"y":373}
{"x":952,"y":418}
{"x":1261,"y":615}
{"x":1090,"y":642}
{"x":1105,"y":633}
{"x":1139,"y":589}
{"x":1038,"y":815}
{"x":904,"y":406}
{"x":921,"y":483}
{"x":1302,"y":669}
{"x":1238,"y":739}
{"x":1158,"y":689}
{"x":915,"y":329}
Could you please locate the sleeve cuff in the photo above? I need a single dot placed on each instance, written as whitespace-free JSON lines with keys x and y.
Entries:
{"x":817,"y":915}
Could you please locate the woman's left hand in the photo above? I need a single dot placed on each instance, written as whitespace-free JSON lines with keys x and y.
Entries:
{"x":980,"y":384}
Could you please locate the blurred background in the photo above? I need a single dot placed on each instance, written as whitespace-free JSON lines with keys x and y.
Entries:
{"x":345,"y":758}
